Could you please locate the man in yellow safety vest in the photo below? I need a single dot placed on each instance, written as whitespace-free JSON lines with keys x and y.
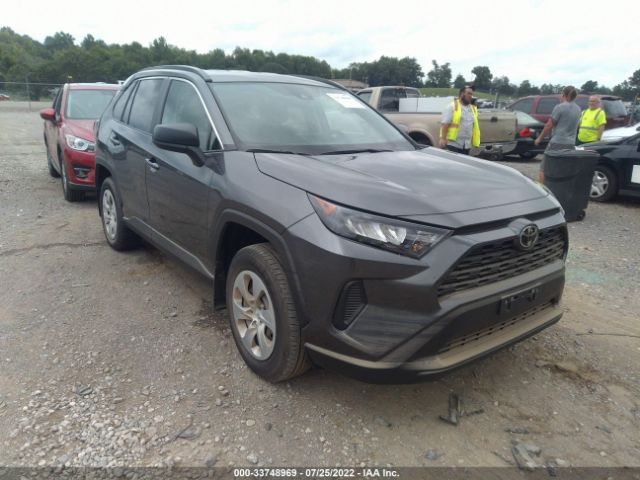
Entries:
{"x":460,"y":130}
{"x":592,"y":122}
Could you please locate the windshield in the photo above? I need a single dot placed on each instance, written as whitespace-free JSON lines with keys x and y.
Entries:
{"x":525,"y":119}
{"x":304,"y":119}
{"x":87,"y":104}
{"x":614,"y":108}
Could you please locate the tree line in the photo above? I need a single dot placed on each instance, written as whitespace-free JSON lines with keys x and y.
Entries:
{"x":59,"y":59}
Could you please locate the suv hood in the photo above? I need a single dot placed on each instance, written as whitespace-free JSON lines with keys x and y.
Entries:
{"x":82,"y":129}
{"x":417,"y":184}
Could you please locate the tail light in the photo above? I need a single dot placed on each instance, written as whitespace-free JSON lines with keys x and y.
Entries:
{"x":525,"y":132}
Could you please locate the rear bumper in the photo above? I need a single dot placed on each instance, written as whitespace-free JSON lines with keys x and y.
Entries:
{"x":493,"y":149}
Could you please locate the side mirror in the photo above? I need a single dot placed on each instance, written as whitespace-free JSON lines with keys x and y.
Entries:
{"x":181,"y":138}
{"x":48,"y":114}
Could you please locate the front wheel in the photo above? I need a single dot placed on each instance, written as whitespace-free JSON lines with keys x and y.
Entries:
{"x":70,"y":195}
{"x":263,"y":316}
{"x":604,"y":185}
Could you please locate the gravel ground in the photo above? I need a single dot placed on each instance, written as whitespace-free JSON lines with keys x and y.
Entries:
{"x":112,"y":359}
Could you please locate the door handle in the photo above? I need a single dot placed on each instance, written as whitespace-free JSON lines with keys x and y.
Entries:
{"x":115,"y":141}
{"x":153,"y":165}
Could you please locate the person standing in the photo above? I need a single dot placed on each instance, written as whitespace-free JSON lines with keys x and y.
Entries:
{"x":460,"y":131}
{"x":592,"y":122}
{"x":563,"y":123}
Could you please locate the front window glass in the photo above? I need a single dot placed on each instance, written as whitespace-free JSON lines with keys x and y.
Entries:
{"x":304,"y":118}
{"x":184,"y":106}
{"x":87,"y":104}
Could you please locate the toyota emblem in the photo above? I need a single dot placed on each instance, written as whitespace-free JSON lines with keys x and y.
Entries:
{"x":528,"y":237}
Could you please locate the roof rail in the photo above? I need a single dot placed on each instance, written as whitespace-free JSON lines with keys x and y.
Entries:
{"x":322,"y":80}
{"x":185,"y":68}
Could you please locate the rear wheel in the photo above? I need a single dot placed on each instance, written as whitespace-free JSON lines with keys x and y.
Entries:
{"x":604,"y":185}
{"x":263,"y":316}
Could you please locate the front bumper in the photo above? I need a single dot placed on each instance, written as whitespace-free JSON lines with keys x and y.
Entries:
{"x":404,"y":328}
{"x":81,"y":169}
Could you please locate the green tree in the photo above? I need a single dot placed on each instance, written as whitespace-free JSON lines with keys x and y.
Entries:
{"x":589,"y":86}
{"x":459,"y":82}
{"x":483,"y":78}
{"x":439,"y":75}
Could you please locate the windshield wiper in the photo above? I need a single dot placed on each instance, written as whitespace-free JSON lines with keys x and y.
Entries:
{"x":359,"y":150}
{"x":267,"y":150}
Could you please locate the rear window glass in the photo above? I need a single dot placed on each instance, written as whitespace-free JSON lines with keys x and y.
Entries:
{"x":144,"y":104}
{"x":545,"y":105}
{"x":614,"y":108}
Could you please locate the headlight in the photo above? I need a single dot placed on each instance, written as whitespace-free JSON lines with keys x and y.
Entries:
{"x":390,"y":234}
{"x":80,"y":144}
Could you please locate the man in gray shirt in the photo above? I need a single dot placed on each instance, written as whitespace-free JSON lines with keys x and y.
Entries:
{"x":564,"y":121}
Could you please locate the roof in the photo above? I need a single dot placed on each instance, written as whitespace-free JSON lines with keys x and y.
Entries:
{"x":94,"y":86}
{"x":223,"y":76}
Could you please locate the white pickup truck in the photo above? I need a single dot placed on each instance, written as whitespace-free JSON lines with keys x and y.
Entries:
{"x":420,"y":118}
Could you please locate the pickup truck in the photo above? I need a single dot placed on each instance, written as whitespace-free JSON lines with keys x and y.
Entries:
{"x":497,"y":127}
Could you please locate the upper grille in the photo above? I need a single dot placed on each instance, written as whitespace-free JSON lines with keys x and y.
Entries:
{"x":492,"y":262}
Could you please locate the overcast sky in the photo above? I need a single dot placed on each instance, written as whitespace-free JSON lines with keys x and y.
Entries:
{"x":544,"y":41}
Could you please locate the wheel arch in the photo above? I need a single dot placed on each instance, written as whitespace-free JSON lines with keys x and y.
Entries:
{"x":236,"y":230}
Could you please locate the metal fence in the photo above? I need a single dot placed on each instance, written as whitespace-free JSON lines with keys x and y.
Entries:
{"x":28,"y":91}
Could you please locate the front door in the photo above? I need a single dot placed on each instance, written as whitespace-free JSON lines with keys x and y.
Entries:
{"x":178,"y":190}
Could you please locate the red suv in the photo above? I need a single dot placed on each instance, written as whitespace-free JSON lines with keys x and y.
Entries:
{"x":69,"y":137}
{"x":540,"y":107}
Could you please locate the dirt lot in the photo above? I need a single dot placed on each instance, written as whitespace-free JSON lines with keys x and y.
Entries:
{"x":118,"y":359}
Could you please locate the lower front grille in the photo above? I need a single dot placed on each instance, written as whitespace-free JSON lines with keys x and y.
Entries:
{"x":465,"y":340}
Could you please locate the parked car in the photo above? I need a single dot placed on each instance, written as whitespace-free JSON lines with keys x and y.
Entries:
{"x":4,"y":96}
{"x":422,"y":120}
{"x":618,"y":170}
{"x":620,"y":133}
{"x":541,"y":106}
{"x":326,"y":231}
{"x":528,"y":130}
{"x":69,"y":137}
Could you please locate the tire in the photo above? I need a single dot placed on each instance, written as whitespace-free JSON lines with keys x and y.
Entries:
{"x":266,"y":333}
{"x":605,"y":184}
{"x":70,"y":195}
{"x":528,"y":155}
{"x":118,"y":235}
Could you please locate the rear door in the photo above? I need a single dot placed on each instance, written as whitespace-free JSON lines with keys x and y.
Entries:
{"x":178,"y":190}
{"x":133,"y":137}
{"x":544,"y":107}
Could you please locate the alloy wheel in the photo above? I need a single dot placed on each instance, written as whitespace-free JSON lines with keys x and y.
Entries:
{"x":109,"y":215}
{"x":254,"y":315}
{"x":599,"y":185}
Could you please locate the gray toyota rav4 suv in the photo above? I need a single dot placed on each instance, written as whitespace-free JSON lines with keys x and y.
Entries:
{"x":329,"y":235}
